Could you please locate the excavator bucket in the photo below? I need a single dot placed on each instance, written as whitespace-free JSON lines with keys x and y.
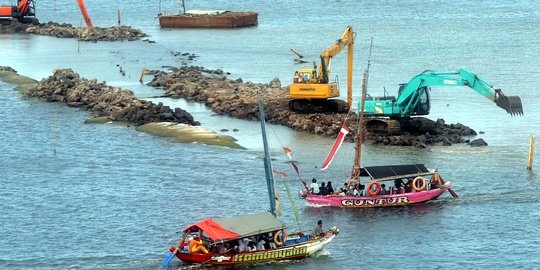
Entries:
{"x":512,"y":104}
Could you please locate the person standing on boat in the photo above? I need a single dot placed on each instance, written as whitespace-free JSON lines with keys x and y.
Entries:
{"x":314,"y":188}
{"x":196,"y":245}
{"x":318,"y":231}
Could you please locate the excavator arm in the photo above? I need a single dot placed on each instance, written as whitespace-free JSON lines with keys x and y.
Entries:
{"x":312,"y":88}
{"x":346,"y":40}
{"x":413,"y":97}
{"x":390,"y":115}
{"x":23,"y":6}
{"x":408,"y":98}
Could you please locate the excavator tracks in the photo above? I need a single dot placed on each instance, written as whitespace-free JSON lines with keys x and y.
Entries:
{"x":382,"y":126}
{"x":318,"y":106}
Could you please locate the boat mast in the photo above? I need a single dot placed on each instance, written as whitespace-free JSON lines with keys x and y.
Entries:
{"x":267,"y":162}
{"x":359,"y":132}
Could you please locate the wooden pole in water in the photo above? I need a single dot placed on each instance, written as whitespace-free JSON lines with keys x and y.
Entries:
{"x":143,"y":72}
{"x":297,"y":53}
{"x":118,"y":15}
{"x":531,"y":153}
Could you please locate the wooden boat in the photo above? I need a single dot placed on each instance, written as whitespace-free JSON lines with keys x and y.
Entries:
{"x":422,"y":185}
{"x":208,"y":19}
{"x":223,"y":234}
{"x":417,"y":189}
{"x":227,"y":240}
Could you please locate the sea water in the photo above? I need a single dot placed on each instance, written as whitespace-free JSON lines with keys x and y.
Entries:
{"x":108,"y":197}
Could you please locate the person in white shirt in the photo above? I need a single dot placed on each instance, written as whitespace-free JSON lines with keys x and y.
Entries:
{"x":260,"y":244}
{"x":314,"y":188}
{"x":243,"y":245}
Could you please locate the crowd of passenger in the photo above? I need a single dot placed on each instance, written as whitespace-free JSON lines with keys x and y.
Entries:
{"x":200,"y":243}
{"x":354,"y":188}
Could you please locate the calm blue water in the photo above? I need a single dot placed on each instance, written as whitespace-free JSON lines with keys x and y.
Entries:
{"x":107,"y":197}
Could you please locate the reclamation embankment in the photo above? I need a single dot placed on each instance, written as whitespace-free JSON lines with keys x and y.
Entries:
{"x":113,"y":104}
{"x":238,"y":99}
{"x":65,"y":30}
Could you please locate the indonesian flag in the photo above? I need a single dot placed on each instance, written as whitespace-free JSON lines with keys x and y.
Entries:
{"x":287,"y":151}
{"x":298,"y":173}
{"x":337,"y":144}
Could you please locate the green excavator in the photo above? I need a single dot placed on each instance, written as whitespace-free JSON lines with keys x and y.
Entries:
{"x":387,"y":114}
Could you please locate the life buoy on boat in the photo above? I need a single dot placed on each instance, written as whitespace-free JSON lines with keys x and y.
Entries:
{"x":415,"y":183}
{"x":278,"y":235}
{"x":370,"y":190}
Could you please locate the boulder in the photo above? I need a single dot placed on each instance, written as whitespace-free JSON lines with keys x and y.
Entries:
{"x":478,"y":142}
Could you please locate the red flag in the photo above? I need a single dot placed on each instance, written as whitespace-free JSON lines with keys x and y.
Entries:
{"x":283,"y":174}
{"x":339,"y":140}
{"x":287,"y":151}
{"x":297,"y":172}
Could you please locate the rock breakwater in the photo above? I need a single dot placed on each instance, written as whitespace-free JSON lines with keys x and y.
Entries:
{"x":65,"y":30}
{"x":102,"y":100}
{"x":238,"y":99}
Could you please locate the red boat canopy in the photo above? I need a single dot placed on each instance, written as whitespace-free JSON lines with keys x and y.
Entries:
{"x":238,"y":226}
{"x":212,"y":229}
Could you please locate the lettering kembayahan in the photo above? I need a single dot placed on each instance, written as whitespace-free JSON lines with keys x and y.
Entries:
{"x":272,"y":254}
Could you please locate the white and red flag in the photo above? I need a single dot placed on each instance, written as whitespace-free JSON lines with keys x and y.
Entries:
{"x":287,"y":151}
{"x":337,"y":144}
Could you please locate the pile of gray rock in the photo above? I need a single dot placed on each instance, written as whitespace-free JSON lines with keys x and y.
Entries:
{"x":65,"y":30}
{"x":238,"y":99}
{"x":102,"y":100}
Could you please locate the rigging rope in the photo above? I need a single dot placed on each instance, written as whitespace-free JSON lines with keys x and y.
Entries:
{"x":289,"y":195}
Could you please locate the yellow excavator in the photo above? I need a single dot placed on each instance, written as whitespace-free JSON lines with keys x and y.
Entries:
{"x":312,"y":91}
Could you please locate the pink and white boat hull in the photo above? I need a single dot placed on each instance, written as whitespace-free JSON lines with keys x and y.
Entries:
{"x":375,"y":201}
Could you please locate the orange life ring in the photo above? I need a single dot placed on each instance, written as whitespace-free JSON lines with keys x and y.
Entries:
{"x":377,"y":188}
{"x":276,"y":238}
{"x":415,"y":183}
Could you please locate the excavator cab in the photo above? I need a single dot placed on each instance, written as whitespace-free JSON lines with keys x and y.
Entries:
{"x":24,"y":12}
{"x":311,"y":91}
{"x":305,"y":76}
{"x":423,"y":104}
